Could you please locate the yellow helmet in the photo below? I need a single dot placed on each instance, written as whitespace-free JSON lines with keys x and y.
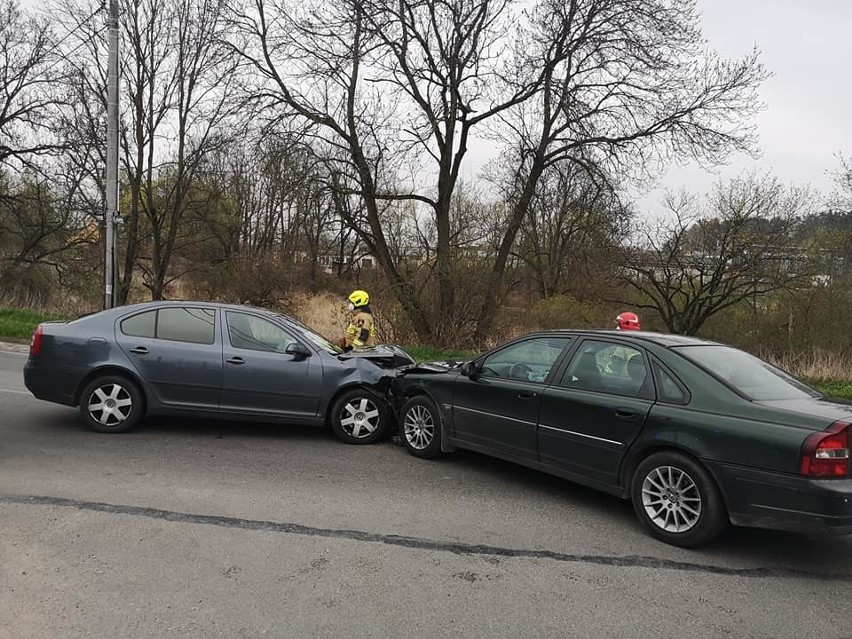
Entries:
{"x":359,"y":298}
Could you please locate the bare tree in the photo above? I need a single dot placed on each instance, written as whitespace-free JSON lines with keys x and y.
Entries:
{"x":42,"y":196}
{"x":28,"y":81}
{"x":593,"y":82}
{"x":175,"y":98}
{"x":841,"y":199}
{"x":311,"y":62}
{"x":570,"y":235}
{"x":199,"y":74}
{"x":145,"y":99}
{"x":37,"y":227}
{"x":395,"y":87}
{"x":703,"y":261}
{"x":452,"y":64}
{"x":627,"y":85}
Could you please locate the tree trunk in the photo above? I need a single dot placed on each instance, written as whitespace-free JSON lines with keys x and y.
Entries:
{"x":489,"y":307}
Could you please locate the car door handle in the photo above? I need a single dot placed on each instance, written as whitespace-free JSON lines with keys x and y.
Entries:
{"x":139,"y":350}
{"x":236,"y":360}
{"x":527,"y":395}
{"x":625,"y":413}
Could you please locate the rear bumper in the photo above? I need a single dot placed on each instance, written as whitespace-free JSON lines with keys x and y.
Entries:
{"x":50,"y":384}
{"x":763,"y":499}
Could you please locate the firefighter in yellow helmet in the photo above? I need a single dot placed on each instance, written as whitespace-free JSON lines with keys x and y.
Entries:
{"x":361,"y":331}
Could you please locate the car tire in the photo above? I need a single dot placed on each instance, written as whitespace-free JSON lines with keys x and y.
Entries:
{"x":111,"y":404}
{"x":421,"y":428}
{"x":359,"y":416}
{"x":677,"y":500}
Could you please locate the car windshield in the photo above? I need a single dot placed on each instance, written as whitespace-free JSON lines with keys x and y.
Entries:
{"x":751,"y":376}
{"x":312,"y":336}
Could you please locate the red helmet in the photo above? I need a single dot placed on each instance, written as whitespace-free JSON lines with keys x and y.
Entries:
{"x":627,"y":322}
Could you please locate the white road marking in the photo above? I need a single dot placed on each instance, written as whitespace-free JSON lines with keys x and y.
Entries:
{"x":21,"y":353}
{"x":14,"y":392}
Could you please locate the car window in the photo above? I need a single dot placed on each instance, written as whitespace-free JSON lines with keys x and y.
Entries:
{"x":668,"y":390}
{"x":311,"y":335}
{"x":141,"y":325}
{"x":186,"y":324}
{"x":529,"y":361}
{"x":606,"y":367}
{"x":754,"y":378}
{"x":253,"y":333}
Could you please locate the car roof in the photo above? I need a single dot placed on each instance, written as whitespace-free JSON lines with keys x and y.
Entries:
{"x":666,"y":340}
{"x":142,"y":306}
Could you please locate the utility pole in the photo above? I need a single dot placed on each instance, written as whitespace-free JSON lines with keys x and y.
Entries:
{"x":111,"y":212}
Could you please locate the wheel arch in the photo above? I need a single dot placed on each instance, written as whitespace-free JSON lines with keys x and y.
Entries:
{"x":640,"y":455}
{"x":111,"y":369}
{"x":419,"y":391}
{"x":355,"y":385}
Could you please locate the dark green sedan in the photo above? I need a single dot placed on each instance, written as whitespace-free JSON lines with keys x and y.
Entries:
{"x":698,"y":435}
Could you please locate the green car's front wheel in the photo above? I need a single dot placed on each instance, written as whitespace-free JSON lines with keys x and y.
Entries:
{"x":421,"y":427}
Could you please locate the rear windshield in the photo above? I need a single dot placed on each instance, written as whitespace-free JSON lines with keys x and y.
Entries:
{"x":749,"y":375}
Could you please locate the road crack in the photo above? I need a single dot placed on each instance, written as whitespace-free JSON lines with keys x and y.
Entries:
{"x":418,"y":543}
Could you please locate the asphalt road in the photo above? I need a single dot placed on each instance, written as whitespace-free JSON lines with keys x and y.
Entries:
{"x":215,"y":529}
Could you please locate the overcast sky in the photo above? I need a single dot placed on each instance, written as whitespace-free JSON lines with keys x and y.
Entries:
{"x":807,"y":44}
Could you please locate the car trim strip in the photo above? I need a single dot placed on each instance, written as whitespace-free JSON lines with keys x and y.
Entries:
{"x":511,"y":419}
{"x":571,"y":432}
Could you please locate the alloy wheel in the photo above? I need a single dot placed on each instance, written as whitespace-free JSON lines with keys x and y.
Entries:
{"x":360,"y":418}
{"x":110,"y":404}
{"x":419,"y":427}
{"x":671,"y":499}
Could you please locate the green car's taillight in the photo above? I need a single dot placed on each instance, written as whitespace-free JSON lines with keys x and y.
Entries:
{"x":826,"y":453}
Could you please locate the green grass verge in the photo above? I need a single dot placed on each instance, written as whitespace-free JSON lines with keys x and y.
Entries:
{"x":430,"y":354}
{"x":833,"y":388}
{"x":19,"y":324}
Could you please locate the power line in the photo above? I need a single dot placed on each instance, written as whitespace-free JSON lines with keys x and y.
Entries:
{"x":64,"y":57}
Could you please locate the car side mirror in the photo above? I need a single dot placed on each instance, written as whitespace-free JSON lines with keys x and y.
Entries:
{"x":298,"y":350}
{"x":469,"y":369}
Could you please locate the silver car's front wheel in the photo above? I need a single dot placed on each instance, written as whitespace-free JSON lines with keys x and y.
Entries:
{"x":419,"y":427}
{"x":358,"y":417}
{"x":671,"y":499}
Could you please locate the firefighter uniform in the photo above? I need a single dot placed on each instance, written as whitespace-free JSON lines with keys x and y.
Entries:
{"x":361,"y":331}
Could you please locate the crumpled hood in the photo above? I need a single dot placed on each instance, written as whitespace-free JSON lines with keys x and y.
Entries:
{"x":447,"y":366}
{"x":385,"y":355}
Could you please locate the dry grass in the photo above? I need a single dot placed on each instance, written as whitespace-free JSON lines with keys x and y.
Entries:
{"x":323,"y":312}
{"x":816,"y":364}
{"x":65,"y":306}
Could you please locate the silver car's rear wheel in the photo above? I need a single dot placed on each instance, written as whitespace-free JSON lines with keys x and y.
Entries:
{"x":419,"y":427}
{"x":111,"y":404}
{"x":671,"y":499}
